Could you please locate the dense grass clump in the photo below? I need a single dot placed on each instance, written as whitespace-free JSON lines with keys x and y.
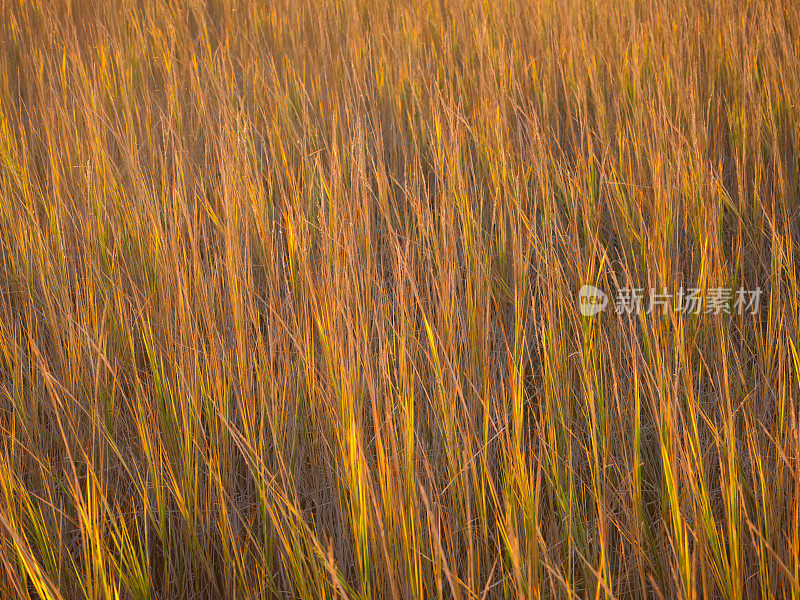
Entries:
{"x":288,"y":299}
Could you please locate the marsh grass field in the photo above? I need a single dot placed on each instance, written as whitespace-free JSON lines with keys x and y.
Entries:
{"x":288,"y":299}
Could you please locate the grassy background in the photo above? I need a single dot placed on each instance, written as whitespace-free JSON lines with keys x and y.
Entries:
{"x":288,"y":299}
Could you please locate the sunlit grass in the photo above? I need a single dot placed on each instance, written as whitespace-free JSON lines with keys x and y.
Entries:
{"x":288,"y":299}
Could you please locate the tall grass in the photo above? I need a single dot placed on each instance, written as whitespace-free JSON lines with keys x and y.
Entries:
{"x":288,"y":299}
